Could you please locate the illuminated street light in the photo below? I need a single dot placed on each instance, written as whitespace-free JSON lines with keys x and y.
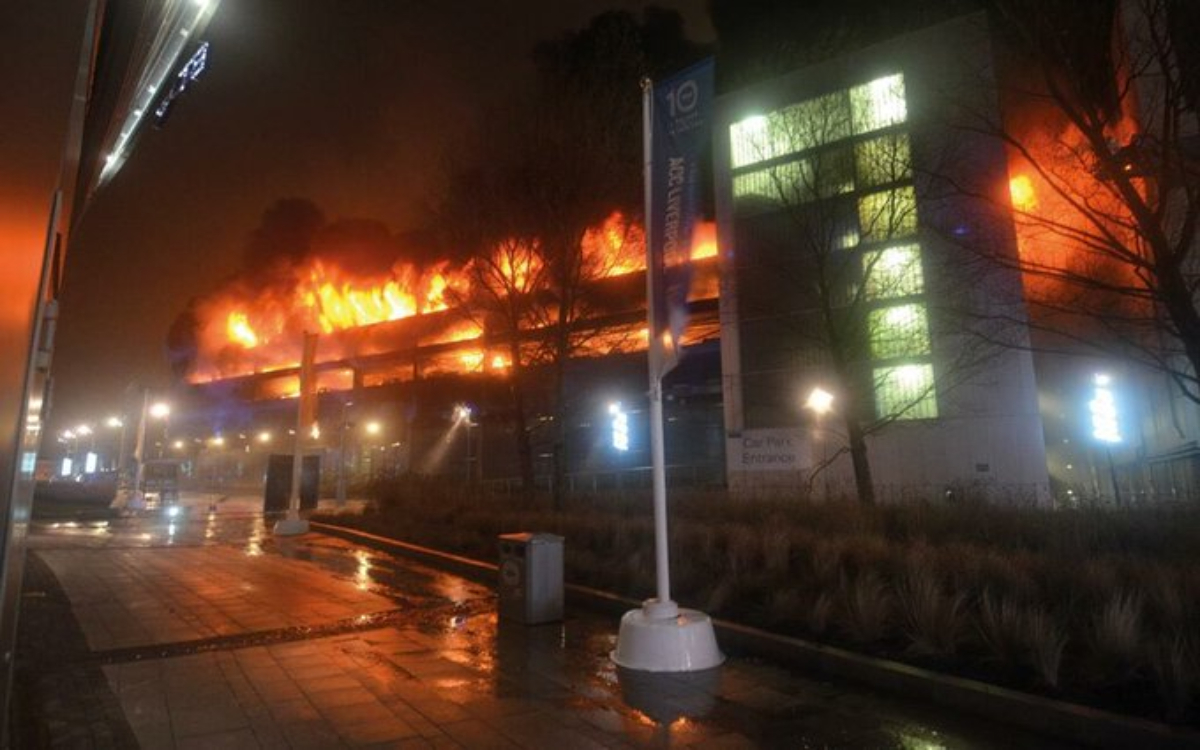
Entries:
{"x":373,"y":428}
{"x":160,"y":410}
{"x":84,"y":430}
{"x":462,"y":415}
{"x":115,"y":422}
{"x":820,"y":401}
{"x":264,"y":437}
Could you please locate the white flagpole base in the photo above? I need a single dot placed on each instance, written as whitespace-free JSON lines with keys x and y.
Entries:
{"x":661,"y":637}
{"x":291,"y":526}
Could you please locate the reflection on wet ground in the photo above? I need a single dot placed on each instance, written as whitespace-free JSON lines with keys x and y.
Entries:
{"x":297,"y":631}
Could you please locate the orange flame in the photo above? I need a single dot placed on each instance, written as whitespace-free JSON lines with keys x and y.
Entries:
{"x":240,"y":331}
{"x":248,"y":329}
{"x":1048,"y":181}
{"x":1020,"y":188}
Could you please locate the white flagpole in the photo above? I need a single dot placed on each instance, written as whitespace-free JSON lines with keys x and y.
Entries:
{"x":660,"y":637}
{"x":662,"y":563}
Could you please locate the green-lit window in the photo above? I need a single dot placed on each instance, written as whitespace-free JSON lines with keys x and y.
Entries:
{"x":905,"y":392}
{"x":754,"y":189}
{"x":893,"y":272}
{"x":780,"y":185}
{"x":750,"y":141}
{"x":799,"y":127}
{"x":882,"y":160}
{"x":791,"y":183}
{"x":878,"y":104}
{"x":899,"y":331}
{"x":833,"y":172}
{"x":888,"y":214}
{"x":817,"y":122}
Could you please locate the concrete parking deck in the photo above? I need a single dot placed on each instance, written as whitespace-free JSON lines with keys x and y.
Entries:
{"x":204,"y":630}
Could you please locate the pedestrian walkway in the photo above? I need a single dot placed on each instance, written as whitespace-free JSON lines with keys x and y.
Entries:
{"x":206,"y":631}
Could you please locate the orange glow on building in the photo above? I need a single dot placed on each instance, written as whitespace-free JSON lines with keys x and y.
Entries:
{"x":1062,"y":247}
{"x":1020,"y":188}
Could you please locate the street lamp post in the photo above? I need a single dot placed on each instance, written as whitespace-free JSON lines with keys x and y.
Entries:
{"x":464,"y":414}
{"x":341,"y":478}
{"x":373,"y":429}
{"x":820,"y":402}
{"x":162,"y":410}
{"x":116,"y":422}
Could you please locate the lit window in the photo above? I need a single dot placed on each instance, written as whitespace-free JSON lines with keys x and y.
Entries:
{"x":749,"y":140}
{"x":790,"y":130}
{"x":905,"y":392}
{"x":833,"y":172}
{"x":893,"y":272}
{"x":878,"y":104}
{"x":816,"y":122}
{"x":900,"y":331}
{"x":882,"y":160}
{"x":783,"y":185}
{"x":888,"y":214}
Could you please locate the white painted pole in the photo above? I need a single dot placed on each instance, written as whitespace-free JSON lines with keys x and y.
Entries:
{"x":661,"y":637}
{"x":654,"y":355}
{"x":138,"y":498}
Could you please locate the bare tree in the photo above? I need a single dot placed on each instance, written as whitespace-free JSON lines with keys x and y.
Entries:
{"x":836,"y":290}
{"x":1100,"y":121}
{"x":556,"y":168}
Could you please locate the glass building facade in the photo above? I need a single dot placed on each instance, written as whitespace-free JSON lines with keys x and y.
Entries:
{"x":840,"y":165}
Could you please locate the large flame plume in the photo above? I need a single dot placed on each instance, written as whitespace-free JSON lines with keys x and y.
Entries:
{"x":249,"y":328}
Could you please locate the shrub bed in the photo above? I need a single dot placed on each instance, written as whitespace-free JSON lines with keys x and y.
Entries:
{"x":1099,"y":606}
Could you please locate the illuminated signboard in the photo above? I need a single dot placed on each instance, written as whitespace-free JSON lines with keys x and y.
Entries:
{"x":188,"y":74}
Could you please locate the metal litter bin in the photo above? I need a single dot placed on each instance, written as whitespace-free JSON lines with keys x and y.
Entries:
{"x":531,"y":577}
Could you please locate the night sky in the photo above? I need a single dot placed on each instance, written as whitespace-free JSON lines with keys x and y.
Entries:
{"x":350,"y":104}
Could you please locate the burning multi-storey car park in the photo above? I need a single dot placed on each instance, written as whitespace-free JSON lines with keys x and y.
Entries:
{"x":414,"y":368}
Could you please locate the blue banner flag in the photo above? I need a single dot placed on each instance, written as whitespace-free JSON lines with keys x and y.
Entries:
{"x":679,"y":133}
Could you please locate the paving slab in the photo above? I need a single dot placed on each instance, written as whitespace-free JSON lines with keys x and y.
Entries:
{"x":204,"y":630}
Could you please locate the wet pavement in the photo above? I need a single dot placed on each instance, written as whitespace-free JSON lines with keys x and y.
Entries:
{"x":204,"y":630}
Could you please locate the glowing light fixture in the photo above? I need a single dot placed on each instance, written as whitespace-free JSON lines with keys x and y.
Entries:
{"x":619,"y":427}
{"x":820,"y":401}
{"x":1106,"y":425}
